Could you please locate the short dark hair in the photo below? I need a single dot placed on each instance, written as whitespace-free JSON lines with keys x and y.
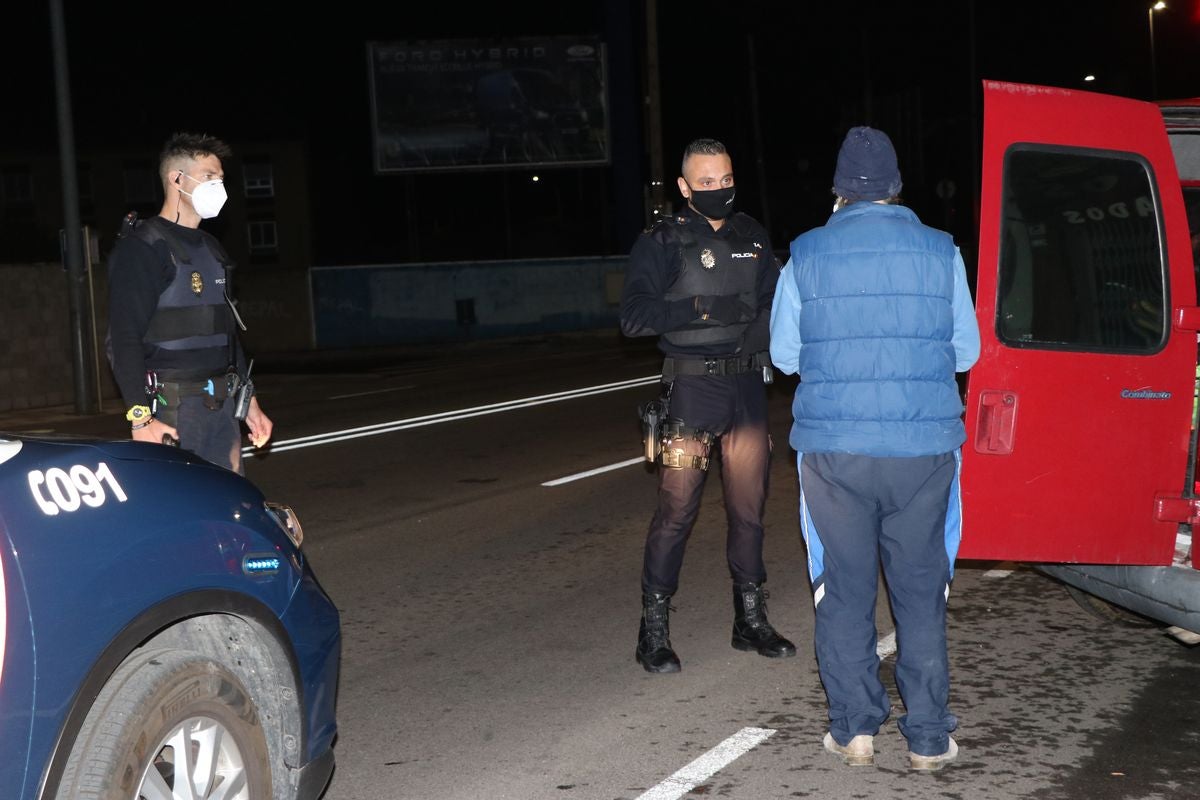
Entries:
{"x":190,"y":146}
{"x":702,"y":147}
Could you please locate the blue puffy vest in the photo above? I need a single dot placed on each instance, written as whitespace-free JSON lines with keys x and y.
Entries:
{"x":876,"y":292}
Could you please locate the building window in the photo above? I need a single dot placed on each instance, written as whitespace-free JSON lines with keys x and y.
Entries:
{"x":262,"y":236}
{"x":1081,"y":263}
{"x":141,"y":185}
{"x":259,"y":179}
{"x":16,"y":186}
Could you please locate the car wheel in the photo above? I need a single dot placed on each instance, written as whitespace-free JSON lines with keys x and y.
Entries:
{"x":170,"y":725}
{"x":1109,"y":612}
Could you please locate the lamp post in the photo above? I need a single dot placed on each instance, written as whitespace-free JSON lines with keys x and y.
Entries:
{"x":1159,"y":6}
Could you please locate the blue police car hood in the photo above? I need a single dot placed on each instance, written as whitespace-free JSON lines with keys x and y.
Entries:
{"x":41,"y":445}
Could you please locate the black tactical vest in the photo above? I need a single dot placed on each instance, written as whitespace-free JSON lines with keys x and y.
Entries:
{"x":713,"y":265}
{"x":193,"y":311}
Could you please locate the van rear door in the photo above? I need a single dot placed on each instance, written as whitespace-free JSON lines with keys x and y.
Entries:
{"x":1079,"y":409}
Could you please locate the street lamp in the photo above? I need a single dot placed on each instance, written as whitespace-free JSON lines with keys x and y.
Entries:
{"x":1159,"y":6}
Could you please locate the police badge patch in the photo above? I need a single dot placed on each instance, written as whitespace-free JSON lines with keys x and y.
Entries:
{"x":706,"y":259}
{"x":197,"y":283}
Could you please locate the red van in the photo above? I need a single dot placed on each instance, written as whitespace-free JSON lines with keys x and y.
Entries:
{"x":1081,"y":418}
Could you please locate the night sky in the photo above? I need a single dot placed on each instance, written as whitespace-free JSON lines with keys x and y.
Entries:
{"x":778,"y":82}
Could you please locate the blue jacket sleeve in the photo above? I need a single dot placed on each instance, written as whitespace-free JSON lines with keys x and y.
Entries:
{"x":966,"y":327}
{"x":785,"y":323}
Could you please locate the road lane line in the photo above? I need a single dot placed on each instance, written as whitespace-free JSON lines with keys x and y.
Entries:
{"x":707,"y":765}
{"x":885,"y":645}
{"x":447,"y":416}
{"x":596,"y":471}
{"x":373,"y":391}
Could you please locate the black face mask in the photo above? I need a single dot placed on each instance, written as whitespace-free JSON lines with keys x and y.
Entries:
{"x":715,"y":203}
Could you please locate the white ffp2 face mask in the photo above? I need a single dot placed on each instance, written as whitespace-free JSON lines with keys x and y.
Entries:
{"x":208,"y":198}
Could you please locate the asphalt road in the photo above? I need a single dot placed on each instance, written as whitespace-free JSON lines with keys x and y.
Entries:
{"x":490,"y":608}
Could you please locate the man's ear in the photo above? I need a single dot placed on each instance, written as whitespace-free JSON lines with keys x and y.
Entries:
{"x":683,"y":187}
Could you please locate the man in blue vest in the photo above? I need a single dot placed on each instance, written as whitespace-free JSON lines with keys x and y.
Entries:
{"x":702,"y":280}
{"x":173,"y":339}
{"x":874,"y":313}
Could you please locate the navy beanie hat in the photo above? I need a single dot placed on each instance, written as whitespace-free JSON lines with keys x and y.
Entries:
{"x":866,"y":166}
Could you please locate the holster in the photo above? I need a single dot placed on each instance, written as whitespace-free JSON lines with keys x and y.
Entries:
{"x":673,"y":456}
{"x":662,"y":435}
{"x":652,"y":415}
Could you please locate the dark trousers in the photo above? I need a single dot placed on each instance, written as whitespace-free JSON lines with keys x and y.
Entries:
{"x":733,"y":407}
{"x":212,"y":434}
{"x":857,"y":512}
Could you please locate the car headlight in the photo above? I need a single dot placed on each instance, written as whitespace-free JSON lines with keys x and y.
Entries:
{"x":287,"y":521}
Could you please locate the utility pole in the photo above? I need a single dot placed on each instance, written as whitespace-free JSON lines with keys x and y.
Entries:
{"x":755,"y":121}
{"x":976,"y":126}
{"x":658,"y":202}
{"x":1159,"y":6}
{"x":73,"y":237}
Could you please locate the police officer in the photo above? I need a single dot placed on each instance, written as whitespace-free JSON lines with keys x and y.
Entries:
{"x":703,"y":280}
{"x":173,"y":340}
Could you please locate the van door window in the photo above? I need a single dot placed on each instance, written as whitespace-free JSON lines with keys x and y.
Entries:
{"x":1191,"y":200}
{"x":1081,"y":263}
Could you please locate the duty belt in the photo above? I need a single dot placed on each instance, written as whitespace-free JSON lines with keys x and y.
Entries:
{"x":732,"y":365}
{"x":167,"y":395}
{"x":216,"y":387}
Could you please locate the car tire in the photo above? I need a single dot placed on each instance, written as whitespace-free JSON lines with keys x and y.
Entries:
{"x":162,"y":710}
{"x":1109,"y":612}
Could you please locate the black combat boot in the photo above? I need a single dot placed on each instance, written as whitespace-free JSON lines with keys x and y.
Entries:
{"x":654,"y":636}
{"x":751,"y":631}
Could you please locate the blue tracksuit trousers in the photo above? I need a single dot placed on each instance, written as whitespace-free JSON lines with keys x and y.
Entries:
{"x":857,"y":512}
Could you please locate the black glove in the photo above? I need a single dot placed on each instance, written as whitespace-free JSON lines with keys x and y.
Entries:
{"x":757,"y":336}
{"x":723,"y":308}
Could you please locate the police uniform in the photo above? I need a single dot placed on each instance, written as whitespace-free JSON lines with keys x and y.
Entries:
{"x":170,"y":317}
{"x":715,"y":402}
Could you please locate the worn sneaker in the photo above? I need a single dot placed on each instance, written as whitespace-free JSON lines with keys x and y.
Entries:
{"x":934,"y":762}
{"x":859,"y":753}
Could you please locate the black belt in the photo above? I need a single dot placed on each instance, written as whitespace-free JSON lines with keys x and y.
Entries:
{"x":732,"y":365}
{"x":216,"y":387}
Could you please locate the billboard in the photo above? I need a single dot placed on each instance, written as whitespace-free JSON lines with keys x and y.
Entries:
{"x":463,"y":104}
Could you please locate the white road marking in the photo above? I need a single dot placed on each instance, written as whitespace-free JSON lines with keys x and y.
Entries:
{"x":1000,"y":572}
{"x":886,"y":646}
{"x":446,"y":416}
{"x":707,"y":765}
{"x":373,"y":391}
{"x":596,"y":471}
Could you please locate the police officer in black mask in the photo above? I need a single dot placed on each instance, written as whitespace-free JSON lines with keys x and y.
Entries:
{"x":702,"y":281}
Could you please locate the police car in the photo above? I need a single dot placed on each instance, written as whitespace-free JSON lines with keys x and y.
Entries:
{"x":162,"y":634}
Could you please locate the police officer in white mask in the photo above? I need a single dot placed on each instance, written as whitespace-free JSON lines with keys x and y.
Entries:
{"x":173,"y":341}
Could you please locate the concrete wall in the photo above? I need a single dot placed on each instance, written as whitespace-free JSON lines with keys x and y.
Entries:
{"x":396,"y":304}
{"x":36,"y":353}
{"x":289,"y":310}
{"x":36,"y":350}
